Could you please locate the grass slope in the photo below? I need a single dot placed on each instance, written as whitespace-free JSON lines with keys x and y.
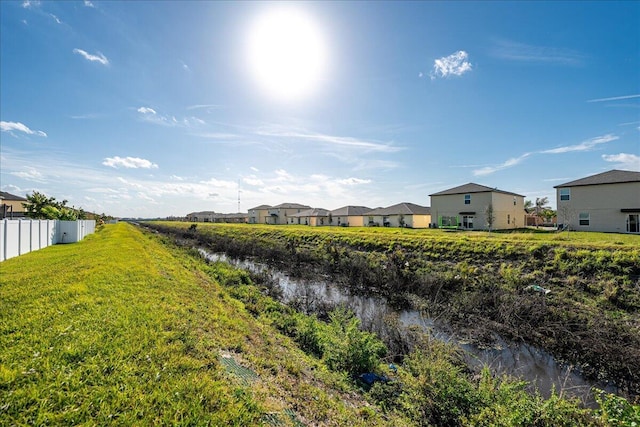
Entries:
{"x":118,"y":329}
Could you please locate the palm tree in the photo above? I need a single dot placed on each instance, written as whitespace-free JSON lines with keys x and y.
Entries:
{"x":541,"y":206}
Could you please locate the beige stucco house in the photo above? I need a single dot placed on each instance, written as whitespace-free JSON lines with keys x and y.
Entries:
{"x":11,"y":206}
{"x":314,"y":217}
{"x":400,"y":215}
{"x":279,"y":214}
{"x":608,"y":201}
{"x":466,"y":206}
{"x":259,"y":214}
{"x":349,"y":216}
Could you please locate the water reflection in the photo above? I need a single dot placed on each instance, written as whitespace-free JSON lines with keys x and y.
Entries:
{"x":529,"y":363}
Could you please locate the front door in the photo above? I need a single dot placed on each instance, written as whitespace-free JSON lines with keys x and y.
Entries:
{"x":467,"y":221}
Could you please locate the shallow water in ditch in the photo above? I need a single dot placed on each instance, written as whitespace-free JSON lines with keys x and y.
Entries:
{"x":529,"y":363}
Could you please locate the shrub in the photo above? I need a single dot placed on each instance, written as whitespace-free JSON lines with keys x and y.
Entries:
{"x":348,"y":349}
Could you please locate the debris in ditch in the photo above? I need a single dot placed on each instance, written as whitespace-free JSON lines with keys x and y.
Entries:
{"x":537,"y":288}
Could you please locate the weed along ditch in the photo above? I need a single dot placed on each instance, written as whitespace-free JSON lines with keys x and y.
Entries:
{"x":563,"y":318}
{"x":318,"y":295}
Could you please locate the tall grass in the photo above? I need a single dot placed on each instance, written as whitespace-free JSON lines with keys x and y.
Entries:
{"x":118,"y":329}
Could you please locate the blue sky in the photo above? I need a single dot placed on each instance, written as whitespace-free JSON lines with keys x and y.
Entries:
{"x":145,"y":109}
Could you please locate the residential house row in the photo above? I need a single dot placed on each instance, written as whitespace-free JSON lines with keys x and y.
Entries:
{"x":608,"y":202}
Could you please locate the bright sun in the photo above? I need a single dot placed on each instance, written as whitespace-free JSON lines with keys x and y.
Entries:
{"x":287,"y":54}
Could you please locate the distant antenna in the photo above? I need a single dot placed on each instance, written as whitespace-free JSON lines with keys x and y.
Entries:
{"x":238,"y":196}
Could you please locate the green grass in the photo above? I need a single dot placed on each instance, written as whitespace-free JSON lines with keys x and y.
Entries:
{"x":118,"y":329}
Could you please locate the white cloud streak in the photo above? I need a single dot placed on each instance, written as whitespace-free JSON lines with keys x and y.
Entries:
{"x":587,"y":145}
{"x":615,"y":98}
{"x":87,"y":3}
{"x":129,"y":162}
{"x":150,"y":115}
{"x":583,"y":146}
{"x":344,"y":141}
{"x":93,"y":58}
{"x":624,"y":161}
{"x":488,"y":170}
{"x":30,"y":175}
{"x":455,"y":64}
{"x":521,"y":52}
{"x":146,"y":110}
{"x":27,"y":4}
{"x":17,"y":126}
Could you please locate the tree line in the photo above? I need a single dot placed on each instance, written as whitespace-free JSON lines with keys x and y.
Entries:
{"x":40,"y":206}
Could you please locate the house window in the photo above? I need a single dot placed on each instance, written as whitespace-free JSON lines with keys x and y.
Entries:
{"x":514,"y":201}
{"x":508,"y":219}
{"x":565,"y":194}
{"x":467,"y":199}
{"x":467,"y":221}
{"x":584,"y":218}
{"x":633,"y":223}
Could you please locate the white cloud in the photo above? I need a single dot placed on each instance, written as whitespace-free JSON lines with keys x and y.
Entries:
{"x":252,"y":180}
{"x":487,"y":170}
{"x":283,"y":176}
{"x":206,"y":106}
{"x":615,"y":98}
{"x":93,"y":58}
{"x":87,"y":3}
{"x":255,"y":169}
{"x":587,"y":145}
{"x":30,"y":174}
{"x":55,"y":18}
{"x":623,"y":161}
{"x":150,"y":115}
{"x":146,"y":110}
{"x":353,"y":181}
{"x":218,"y":183}
{"x":455,"y":64}
{"x":17,"y":126}
{"x":344,"y":141}
{"x":515,"y":51}
{"x":129,"y":162}
{"x":583,"y":146}
{"x":30,"y":3}
{"x":176,"y":178}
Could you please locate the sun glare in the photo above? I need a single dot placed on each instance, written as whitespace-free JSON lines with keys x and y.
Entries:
{"x":287,"y":54}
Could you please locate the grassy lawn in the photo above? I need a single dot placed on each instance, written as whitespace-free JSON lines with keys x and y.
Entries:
{"x":118,"y":329}
{"x":568,"y":238}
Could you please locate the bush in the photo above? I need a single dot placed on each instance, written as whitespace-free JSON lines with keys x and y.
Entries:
{"x":348,"y":349}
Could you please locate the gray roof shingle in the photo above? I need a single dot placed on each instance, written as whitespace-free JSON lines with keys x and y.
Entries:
{"x":350,"y":210}
{"x":472,"y":188}
{"x":614,"y":176}
{"x":404,"y":208}
{"x":8,"y":196}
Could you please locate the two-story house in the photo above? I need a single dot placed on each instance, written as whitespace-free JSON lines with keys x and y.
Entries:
{"x":608,"y":201}
{"x":279,"y":214}
{"x":11,"y":206}
{"x":467,"y":206}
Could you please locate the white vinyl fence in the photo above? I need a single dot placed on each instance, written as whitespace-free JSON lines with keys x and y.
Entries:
{"x":20,"y":236}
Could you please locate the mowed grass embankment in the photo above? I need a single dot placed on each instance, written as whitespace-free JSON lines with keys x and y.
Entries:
{"x":119,"y":329}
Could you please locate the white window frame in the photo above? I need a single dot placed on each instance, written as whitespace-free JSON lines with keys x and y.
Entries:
{"x":586,"y":217}
{"x":565,"y":194}
{"x":467,"y":199}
